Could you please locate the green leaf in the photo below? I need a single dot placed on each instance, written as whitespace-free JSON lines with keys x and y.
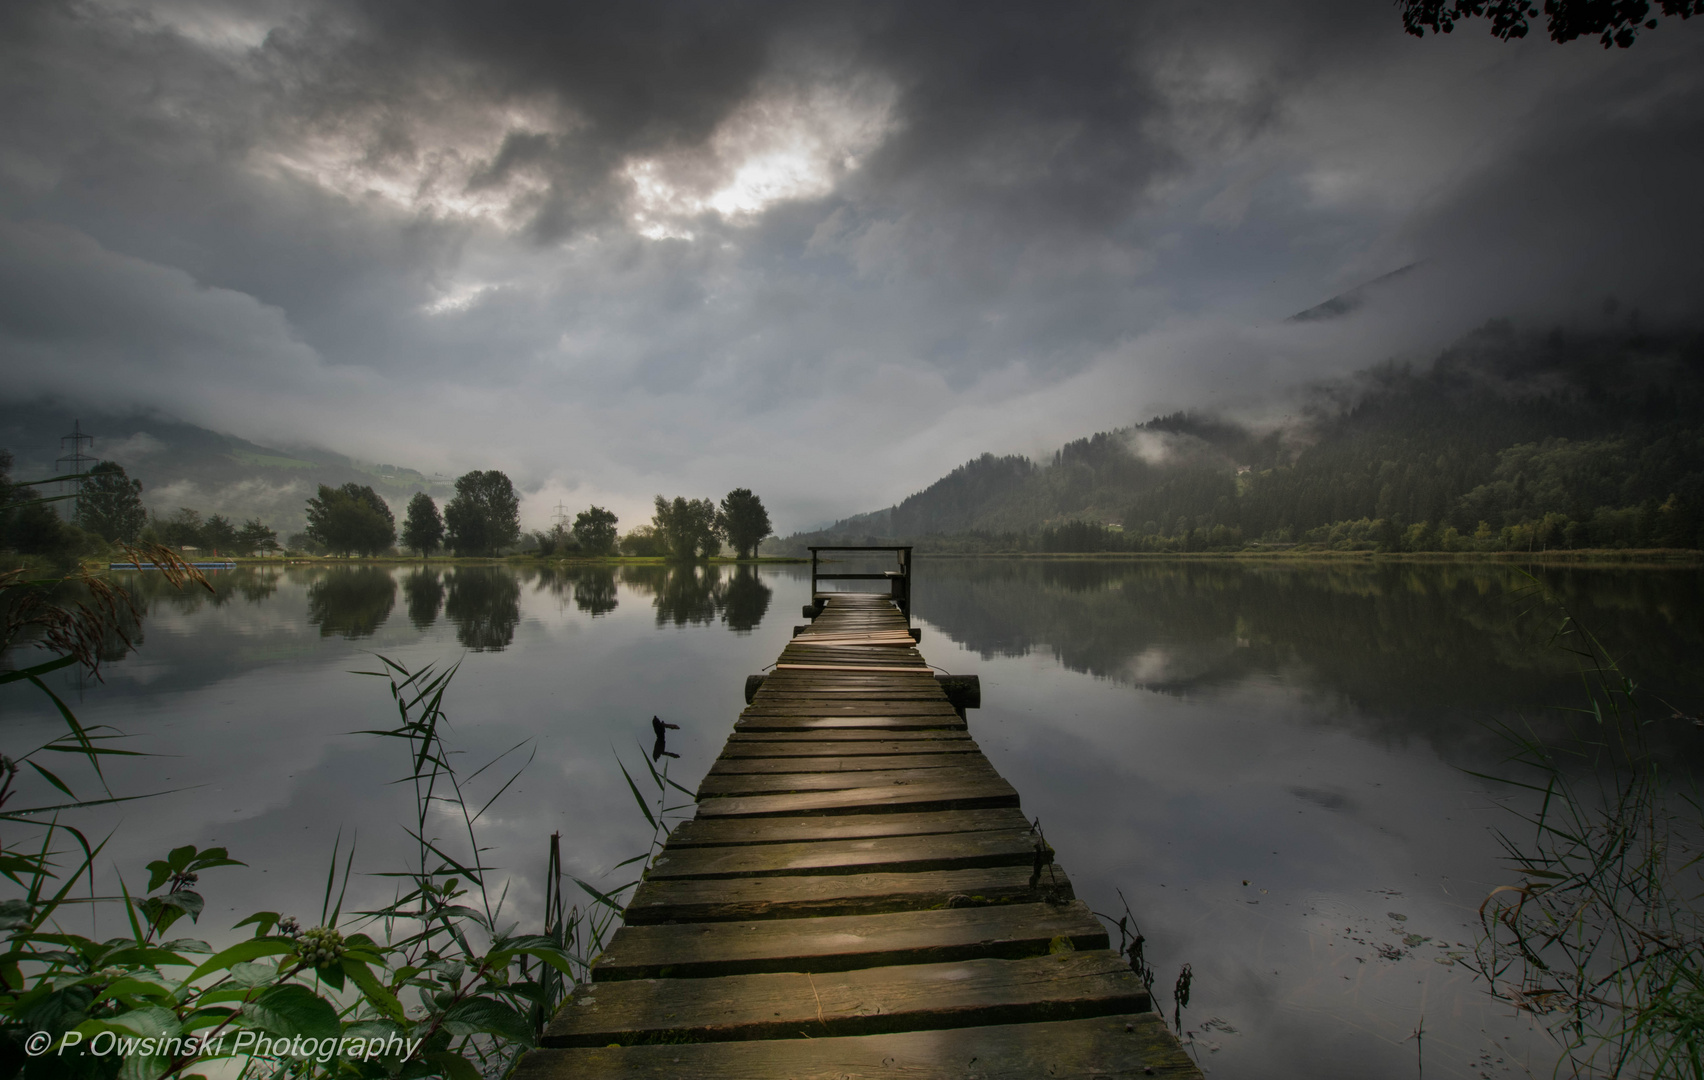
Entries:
{"x":15,"y":914}
{"x":39,"y":669}
{"x":252,"y":949}
{"x":538,"y":947}
{"x":490,"y":1016}
{"x":146,"y":957}
{"x":262,"y":920}
{"x":52,"y":779}
{"x":608,"y":900}
{"x":213,"y":856}
{"x":454,"y":1066}
{"x":151,"y":1021}
{"x":291,"y":1010}
{"x":133,"y":986}
{"x":331,"y":975}
{"x":375,"y":992}
{"x":251,"y":975}
{"x":164,"y":910}
{"x":638,"y":798}
{"x":380,"y":1031}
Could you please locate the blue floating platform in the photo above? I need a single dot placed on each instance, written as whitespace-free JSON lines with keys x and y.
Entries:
{"x":156,"y":566}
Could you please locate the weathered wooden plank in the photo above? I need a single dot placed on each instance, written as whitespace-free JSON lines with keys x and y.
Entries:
{"x":1132,"y":1046}
{"x":784,"y":897}
{"x":838,"y":655}
{"x":810,"y":677}
{"x":781,"y":830}
{"x":847,"y":707}
{"x":1064,"y":986}
{"x":950,"y":722}
{"x":720,"y":785}
{"x":1118,"y":1047}
{"x":849,"y":666}
{"x":858,"y":637}
{"x":941,"y":851}
{"x":845,"y":942}
{"x":868,"y":640}
{"x":776,"y":759}
{"x":925,"y":707}
{"x":772,"y":756}
{"x":853,"y":691}
{"x":850,"y":735}
{"x":990,"y":792}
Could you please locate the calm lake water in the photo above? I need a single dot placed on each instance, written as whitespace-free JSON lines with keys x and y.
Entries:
{"x":1179,"y":728}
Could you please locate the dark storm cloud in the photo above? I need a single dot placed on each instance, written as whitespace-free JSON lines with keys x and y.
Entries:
{"x":625,"y":248}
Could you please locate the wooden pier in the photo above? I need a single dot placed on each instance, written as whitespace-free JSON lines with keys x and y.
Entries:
{"x":859,"y":895}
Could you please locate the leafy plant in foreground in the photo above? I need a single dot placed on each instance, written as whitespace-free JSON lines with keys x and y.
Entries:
{"x":432,"y":984}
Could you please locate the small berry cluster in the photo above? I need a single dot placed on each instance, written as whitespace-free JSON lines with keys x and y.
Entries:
{"x":320,"y":946}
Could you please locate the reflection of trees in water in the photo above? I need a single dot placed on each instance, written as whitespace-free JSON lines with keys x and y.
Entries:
{"x":352,"y":601}
{"x":594,"y":592}
{"x":746,"y":600}
{"x":688,"y":595}
{"x":1446,"y":644}
{"x":484,"y":602}
{"x":592,"y":588}
{"x":424,"y":591}
{"x":255,"y":586}
{"x":697,"y":595}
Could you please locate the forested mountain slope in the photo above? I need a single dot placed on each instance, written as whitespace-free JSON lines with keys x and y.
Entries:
{"x":1506,"y":441}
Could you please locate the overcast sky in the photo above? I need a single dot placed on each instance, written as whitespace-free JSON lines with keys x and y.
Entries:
{"x":825,"y":251}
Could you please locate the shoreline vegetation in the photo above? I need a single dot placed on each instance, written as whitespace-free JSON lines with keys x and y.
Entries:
{"x":1623,"y":557}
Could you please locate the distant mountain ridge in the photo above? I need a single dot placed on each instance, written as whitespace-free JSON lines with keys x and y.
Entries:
{"x":1581,"y":439}
{"x":183,"y":464}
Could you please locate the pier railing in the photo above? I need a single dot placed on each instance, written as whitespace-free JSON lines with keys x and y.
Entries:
{"x":899,"y":581}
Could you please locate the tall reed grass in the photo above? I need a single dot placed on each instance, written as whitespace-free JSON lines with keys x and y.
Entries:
{"x":1601,"y":934}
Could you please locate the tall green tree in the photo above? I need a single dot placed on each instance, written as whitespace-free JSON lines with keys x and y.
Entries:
{"x":485,"y":515}
{"x":351,"y":519}
{"x":218,"y":533}
{"x":254,"y":536}
{"x":182,"y":529}
{"x":688,"y":527}
{"x":110,"y":504}
{"x":744,"y":521}
{"x":423,"y":528}
{"x":595,"y":529}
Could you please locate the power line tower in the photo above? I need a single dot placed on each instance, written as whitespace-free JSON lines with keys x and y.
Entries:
{"x":74,"y":462}
{"x":561,"y":515}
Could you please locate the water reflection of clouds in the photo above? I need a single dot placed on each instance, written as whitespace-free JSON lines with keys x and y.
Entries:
{"x":252,"y":706}
{"x":1178,"y":800}
{"x":1310,"y":738}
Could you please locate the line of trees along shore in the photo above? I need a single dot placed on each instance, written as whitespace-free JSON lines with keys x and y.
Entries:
{"x":683,"y":528}
{"x":481,"y":519}
{"x":108,"y":510}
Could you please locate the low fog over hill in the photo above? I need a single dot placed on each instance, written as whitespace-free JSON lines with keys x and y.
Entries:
{"x":181,"y":464}
{"x":1555,"y":439}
